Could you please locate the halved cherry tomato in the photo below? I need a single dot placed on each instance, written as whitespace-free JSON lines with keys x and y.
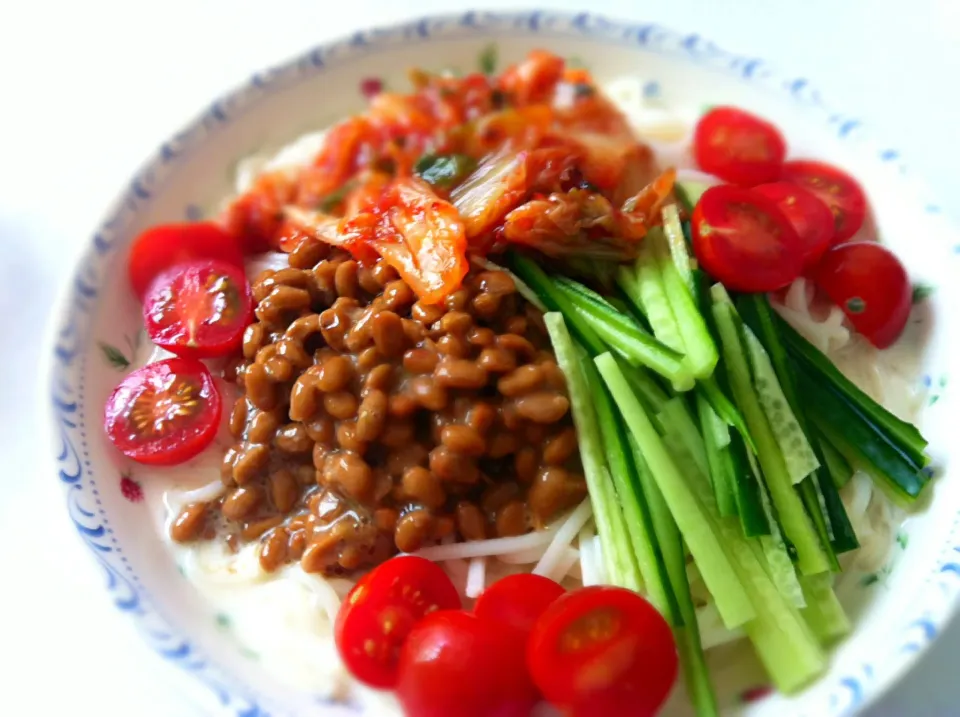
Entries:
{"x":455,"y":663}
{"x":738,"y":147}
{"x":517,"y":600}
{"x":842,"y":194}
{"x":744,"y":241}
{"x":603,"y":652}
{"x":381,"y":609}
{"x":809,"y":216}
{"x":164,"y":413}
{"x":198,"y":310}
{"x":869,"y":283}
{"x":160,"y":247}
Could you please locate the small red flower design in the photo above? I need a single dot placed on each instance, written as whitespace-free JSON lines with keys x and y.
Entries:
{"x":755,"y":694}
{"x":371,"y":87}
{"x":131,"y":489}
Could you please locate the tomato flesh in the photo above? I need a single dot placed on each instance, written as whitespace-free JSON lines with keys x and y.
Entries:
{"x":198,"y":310}
{"x":842,"y":194}
{"x":810,"y":218}
{"x":738,"y":147}
{"x":603,"y":651}
{"x":870,"y":285}
{"x":517,"y":600}
{"x":742,"y":240}
{"x":379,"y":612}
{"x":164,"y":413}
{"x":162,"y":247}
{"x":455,"y":663}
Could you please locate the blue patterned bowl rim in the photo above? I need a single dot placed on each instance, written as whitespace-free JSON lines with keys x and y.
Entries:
{"x":69,"y":337}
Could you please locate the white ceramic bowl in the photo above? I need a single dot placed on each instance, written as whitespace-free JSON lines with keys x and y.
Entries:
{"x":902,"y":607}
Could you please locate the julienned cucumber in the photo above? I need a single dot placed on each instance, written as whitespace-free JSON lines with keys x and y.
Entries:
{"x":796,"y":523}
{"x":901,"y":434}
{"x":636,"y":512}
{"x":697,"y":527}
{"x":796,"y":450}
{"x":611,"y":527}
{"x":687,"y":632}
{"x":817,"y":491}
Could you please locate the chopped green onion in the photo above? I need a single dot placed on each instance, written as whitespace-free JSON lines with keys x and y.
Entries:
{"x":444,"y":170}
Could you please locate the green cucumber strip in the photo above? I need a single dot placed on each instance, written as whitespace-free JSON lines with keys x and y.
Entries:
{"x":817,"y":492}
{"x":716,"y":387}
{"x":718,"y":456}
{"x":628,"y":340}
{"x":794,"y":446}
{"x":629,"y":286}
{"x":782,"y":639}
{"x":648,"y":292}
{"x":678,"y":245}
{"x":611,"y":527}
{"x":859,"y":441}
{"x":711,"y":422}
{"x":784,"y":642}
{"x":699,"y":530}
{"x":644,"y":386}
{"x":837,"y":466}
{"x":796,"y":524}
{"x":543,"y":286}
{"x":904,"y":436}
{"x":675,"y":418}
{"x":689,"y":192}
{"x":824,"y":613}
{"x":635,"y":510}
{"x":687,"y":630}
{"x":619,"y":330}
{"x":700,"y":351}
{"x":724,"y":407}
{"x":746,"y":491}
{"x":774,"y":550}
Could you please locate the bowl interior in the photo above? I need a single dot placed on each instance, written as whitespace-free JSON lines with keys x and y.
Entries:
{"x":898,"y":610}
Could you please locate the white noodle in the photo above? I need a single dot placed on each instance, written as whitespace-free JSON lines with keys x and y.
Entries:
{"x":204,"y":494}
{"x":522,"y":557}
{"x":275,"y":260}
{"x":323,"y":592}
{"x":588,"y":561}
{"x":495,"y":546}
{"x":476,"y":577}
{"x":565,"y":561}
{"x":565,"y":535}
{"x":600,"y":569}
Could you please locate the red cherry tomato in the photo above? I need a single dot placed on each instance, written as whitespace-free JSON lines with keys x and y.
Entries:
{"x":164,"y":413}
{"x":810,"y":217}
{"x":842,"y":194}
{"x":742,"y":240}
{"x":603,"y":652}
{"x":159,"y":248}
{"x":381,"y":609}
{"x":517,"y":600}
{"x":870,"y":284}
{"x":738,"y":147}
{"x":455,"y":663}
{"x":198,"y":310}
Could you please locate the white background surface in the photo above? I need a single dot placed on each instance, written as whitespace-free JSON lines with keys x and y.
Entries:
{"x":88,"y":89}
